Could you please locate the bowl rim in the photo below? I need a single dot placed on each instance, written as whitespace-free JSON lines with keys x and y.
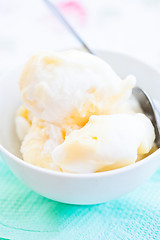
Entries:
{"x":94,"y":174}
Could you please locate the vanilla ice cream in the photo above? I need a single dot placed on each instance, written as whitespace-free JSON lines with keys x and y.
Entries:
{"x":105,"y":142}
{"x":68,"y":87}
{"x":39,"y":143}
{"x":78,"y":115}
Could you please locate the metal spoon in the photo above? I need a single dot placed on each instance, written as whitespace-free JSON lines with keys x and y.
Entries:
{"x":148,"y":106}
{"x":150,"y":110}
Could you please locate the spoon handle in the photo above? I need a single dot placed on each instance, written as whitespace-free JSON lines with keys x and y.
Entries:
{"x":56,"y":12}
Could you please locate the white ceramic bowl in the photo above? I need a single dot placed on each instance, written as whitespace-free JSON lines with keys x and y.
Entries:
{"x":71,"y":188}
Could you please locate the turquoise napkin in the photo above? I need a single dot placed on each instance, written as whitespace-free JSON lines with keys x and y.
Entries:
{"x":25,"y":215}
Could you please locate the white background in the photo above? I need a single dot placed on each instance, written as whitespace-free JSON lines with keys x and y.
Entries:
{"x":27,"y":26}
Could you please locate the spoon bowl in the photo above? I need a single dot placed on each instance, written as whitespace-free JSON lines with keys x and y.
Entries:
{"x":73,"y":188}
{"x":150,"y":110}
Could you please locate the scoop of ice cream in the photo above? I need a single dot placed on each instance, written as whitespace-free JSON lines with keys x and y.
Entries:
{"x":105,"y":143}
{"x":68,"y":87}
{"x":39,"y":143}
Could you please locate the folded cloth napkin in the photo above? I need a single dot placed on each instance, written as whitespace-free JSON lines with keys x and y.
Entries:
{"x":26,"y":215}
